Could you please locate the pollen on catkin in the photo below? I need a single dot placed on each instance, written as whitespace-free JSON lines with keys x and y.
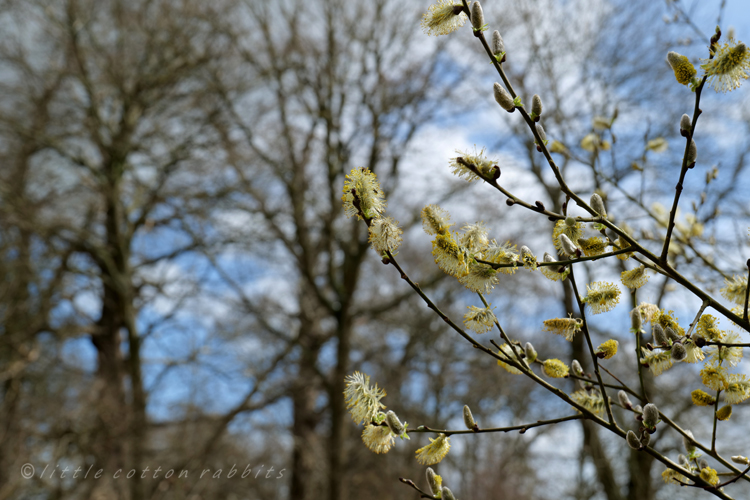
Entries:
{"x":602,"y":296}
{"x":607,"y":349}
{"x":567,"y":327}
{"x":480,"y":278}
{"x":708,"y":328}
{"x":710,"y":476}
{"x":378,"y":439}
{"x":574,"y":232}
{"x":502,"y":254}
{"x":694,"y":353}
{"x":435,"y":220}
{"x":362,"y":400}
{"x":737,"y":388}
{"x":364,"y":184}
{"x":435,"y":451}
{"x":648,"y":311}
{"x":734,"y":289}
{"x":714,"y":377}
{"x":479,"y":319}
{"x":474,"y":237}
{"x":385,"y":235}
{"x":592,"y":401}
{"x":635,"y":278}
{"x":448,"y":255}
{"x":434,"y":481}
{"x":673,"y":477}
{"x":467,"y":165}
{"x":728,"y":68}
{"x":591,"y":247}
{"x":658,"y":361}
{"x":701,"y":398}
{"x":444,"y":17}
{"x":726,"y":355}
{"x":528,"y":258}
{"x":555,"y":368}
{"x":551,"y":272}
{"x":667,"y":320}
{"x":684,"y":71}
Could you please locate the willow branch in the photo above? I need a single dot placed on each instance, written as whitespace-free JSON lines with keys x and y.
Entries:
{"x":521,"y":428}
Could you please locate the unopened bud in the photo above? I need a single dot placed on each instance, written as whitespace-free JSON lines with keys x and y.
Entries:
{"x":598,"y":205}
{"x":703,"y":463}
{"x":724,"y":413}
{"x":503,"y":98}
{"x":548,"y":257}
{"x":570,"y":221}
{"x":683,"y":461}
{"x":498,"y":46}
{"x":633,"y":440}
{"x":685,"y":125}
{"x":477,"y":16}
{"x":692,"y":153}
{"x":536,"y":107}
{"x":541,"y":132}
{"x":659,"y":337}
{"x":624,"y":400}
{"x":530,"y":352}
{"x":469,"y":418}
{"x":671,"y":334}
{"x":432,"y":481}
{"x":650,"y":415}
{"x":638,"y":409}
{"x":636,"y":321}
{"x":576,"y":367}
{"x":739,"y":459}
{"x":393,"y":423}
{"x":446,"y":493}
{"x":689,"y":442}
{"x":678,"y":351}
{"x":645,"y":439}
{"x":567,"y":246}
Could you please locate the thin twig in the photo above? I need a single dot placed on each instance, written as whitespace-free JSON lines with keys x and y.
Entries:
{"x":716,"y":419}
{"x":585,"y":329}
{"x":522,"y":427}
{"x":735,"y":478}
{"x":559,"y":262}
{"x":697,"y":317}
{"x":423,"y":494}
{"x":683,"y":172}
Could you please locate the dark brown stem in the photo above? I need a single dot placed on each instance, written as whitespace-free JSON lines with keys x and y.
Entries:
{"x":683,"y":172}
{"x":422,"y":494}
{"x":716,"y":419}
{"x":521,"y":428}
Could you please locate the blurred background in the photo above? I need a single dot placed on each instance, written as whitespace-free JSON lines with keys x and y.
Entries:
{"x":181,"y":290}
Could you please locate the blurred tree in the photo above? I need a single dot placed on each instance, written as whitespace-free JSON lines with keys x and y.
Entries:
{"x":171,"y":198}
{"x":105,"y":131}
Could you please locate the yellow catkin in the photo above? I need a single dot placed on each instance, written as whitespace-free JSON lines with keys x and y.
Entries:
{"x":701,"y":398}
